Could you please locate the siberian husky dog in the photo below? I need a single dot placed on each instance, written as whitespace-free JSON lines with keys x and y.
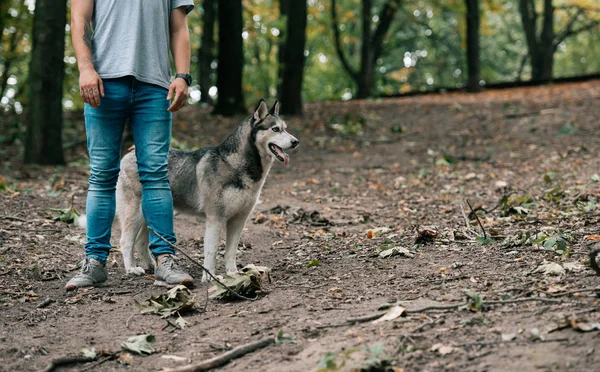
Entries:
{"x":221,"y":183}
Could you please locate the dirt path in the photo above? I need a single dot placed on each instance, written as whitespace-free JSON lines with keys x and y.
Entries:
{"x":413,"y":165}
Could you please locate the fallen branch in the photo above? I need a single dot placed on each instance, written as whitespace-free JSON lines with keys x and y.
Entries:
{"x":46,"y":302}
{"x":225,"y":358}
{"x":65,"y":361}
{"x":477,"y":217}
{"x":367,"y":318}
{"x":488,"y":343}
{"x":12,"y":218}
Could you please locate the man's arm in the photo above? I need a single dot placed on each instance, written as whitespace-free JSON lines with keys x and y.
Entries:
{"x":181,"y":50}
{"x":90,"y":84}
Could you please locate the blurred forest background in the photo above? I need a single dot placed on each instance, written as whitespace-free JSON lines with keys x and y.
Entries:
{"x":302,"y":51}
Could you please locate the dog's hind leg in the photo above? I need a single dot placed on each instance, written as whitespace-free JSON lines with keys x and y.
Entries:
{"x":234,"y":230}
{"x":211,"y":246}
{"x":132,"y":222}
{"x":147,"y":261}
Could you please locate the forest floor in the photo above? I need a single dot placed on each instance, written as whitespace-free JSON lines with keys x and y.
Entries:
{"x":368,"y":176}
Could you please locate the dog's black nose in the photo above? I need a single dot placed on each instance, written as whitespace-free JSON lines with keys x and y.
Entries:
{"x":295,"y":143}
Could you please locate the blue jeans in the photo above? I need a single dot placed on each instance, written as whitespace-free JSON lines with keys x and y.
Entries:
{"x":145,"y":105}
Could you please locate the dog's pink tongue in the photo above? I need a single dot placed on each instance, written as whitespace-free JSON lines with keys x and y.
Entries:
{"x":286,"y":159}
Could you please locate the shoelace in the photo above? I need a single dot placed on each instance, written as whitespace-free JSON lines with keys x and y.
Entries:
{"x":87,"y":266}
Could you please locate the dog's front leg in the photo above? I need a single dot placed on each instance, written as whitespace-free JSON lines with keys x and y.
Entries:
{"x":211,"y":245}
{"x":234,"y":230}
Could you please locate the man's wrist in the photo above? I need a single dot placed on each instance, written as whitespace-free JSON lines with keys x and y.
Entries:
{"x":186,"y":77}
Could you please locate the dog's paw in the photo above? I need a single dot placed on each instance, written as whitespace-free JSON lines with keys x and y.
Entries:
{"x":136,"y":271}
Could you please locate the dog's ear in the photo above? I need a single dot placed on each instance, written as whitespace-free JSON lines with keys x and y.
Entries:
{"x":261,"y":111}
{"x":275,"y":109}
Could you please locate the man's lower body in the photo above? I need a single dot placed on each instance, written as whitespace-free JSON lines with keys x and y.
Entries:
{"x":145,"y":105}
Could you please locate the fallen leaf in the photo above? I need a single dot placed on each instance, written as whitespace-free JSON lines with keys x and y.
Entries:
{"x":125,"y":359}
{"x":247,"y":282}
{"x":391,"y":314}
{"x":177,"y":300}
{"x":442,"y":349}
{"x":595,"y":237}
{"x":551,"y":268}
{"x":141,"y":344}
{"x":89,"y":353}
{"x":506,"y":337}
{"x":574,"y":267}
{"x":395,"y":251}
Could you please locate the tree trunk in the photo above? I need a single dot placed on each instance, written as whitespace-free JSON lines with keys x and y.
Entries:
{"x":231,"y":59}
{"x":207,"y":49}
{"x":43,"y":142}
{"x":547,"y":43}
{"x":291,"y":56}
{"x":366,"y":81}
{"x":540,"y":49}
{"x":473,"y":54}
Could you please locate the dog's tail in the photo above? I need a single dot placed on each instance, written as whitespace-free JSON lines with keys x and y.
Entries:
{"x":82,"y":222}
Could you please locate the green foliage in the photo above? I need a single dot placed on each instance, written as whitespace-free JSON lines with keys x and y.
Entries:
{"x":312,"y":263}
{"x":424,"y":49}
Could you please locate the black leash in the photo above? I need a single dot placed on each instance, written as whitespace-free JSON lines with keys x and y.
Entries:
{"x":202,"y":267}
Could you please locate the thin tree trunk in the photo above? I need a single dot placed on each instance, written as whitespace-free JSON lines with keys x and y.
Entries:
{"x":43,"y":142}
{"x":366,"y":79}
{"x":231,"y":59}
{"x":207,"y":49}
{"x":473,"y":53}
{"x":547,"y":43}
{"x":291,"y":56}
{"x":540,"y":49}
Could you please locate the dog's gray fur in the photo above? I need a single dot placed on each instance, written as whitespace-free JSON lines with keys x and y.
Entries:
{"x":222,"y":183}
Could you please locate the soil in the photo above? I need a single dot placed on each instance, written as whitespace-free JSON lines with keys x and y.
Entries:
{"x":367,"y":176}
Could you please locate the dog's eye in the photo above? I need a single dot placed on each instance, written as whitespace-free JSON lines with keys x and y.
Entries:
{"x":275,"y":129}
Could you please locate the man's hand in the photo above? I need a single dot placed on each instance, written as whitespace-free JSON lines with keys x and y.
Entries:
{"x":91,"y":87}
{"x":179,"y":90}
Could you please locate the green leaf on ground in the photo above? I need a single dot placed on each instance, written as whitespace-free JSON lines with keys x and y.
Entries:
{"x":141,"y":344}
{"x":68,"y":215}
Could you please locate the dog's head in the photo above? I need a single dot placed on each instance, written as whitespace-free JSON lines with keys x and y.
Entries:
{"x":272,"y":139}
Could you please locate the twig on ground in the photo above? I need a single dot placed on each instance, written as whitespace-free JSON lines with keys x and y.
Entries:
{"x":478,"y":221}
{"x":100,"y":361}
{"x":65,"y":361}
{"x":129,"y":319}
{"x":481,"y":343}
{"x":464,"y":216}
{"x":225,"y":357}
{"x":367,"y":318}
{"x":202,"y":267}
{"x":46,"y":302}
{"x":12,"y":218}
{"x":573,"y":292}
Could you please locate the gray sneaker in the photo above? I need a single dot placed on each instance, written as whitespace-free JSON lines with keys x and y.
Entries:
{"x":169,"y":272}
{"x":92,"y":272}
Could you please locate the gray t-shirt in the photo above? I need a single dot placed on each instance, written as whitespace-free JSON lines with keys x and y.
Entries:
{"x":131,"y":37}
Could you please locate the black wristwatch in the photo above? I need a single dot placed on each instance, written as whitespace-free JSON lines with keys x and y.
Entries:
{"x":186,"y":77}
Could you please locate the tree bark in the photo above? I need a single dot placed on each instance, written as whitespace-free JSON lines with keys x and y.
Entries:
{"x":473,"y":53}
{"x":540,"y":48}
{"x":366,"y":81}
{"x":231,"y":59}
{"x":207,"y":49}
{"x":43,"y":142}
{"x":291,"y":56}
{"x":371,"y":45}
